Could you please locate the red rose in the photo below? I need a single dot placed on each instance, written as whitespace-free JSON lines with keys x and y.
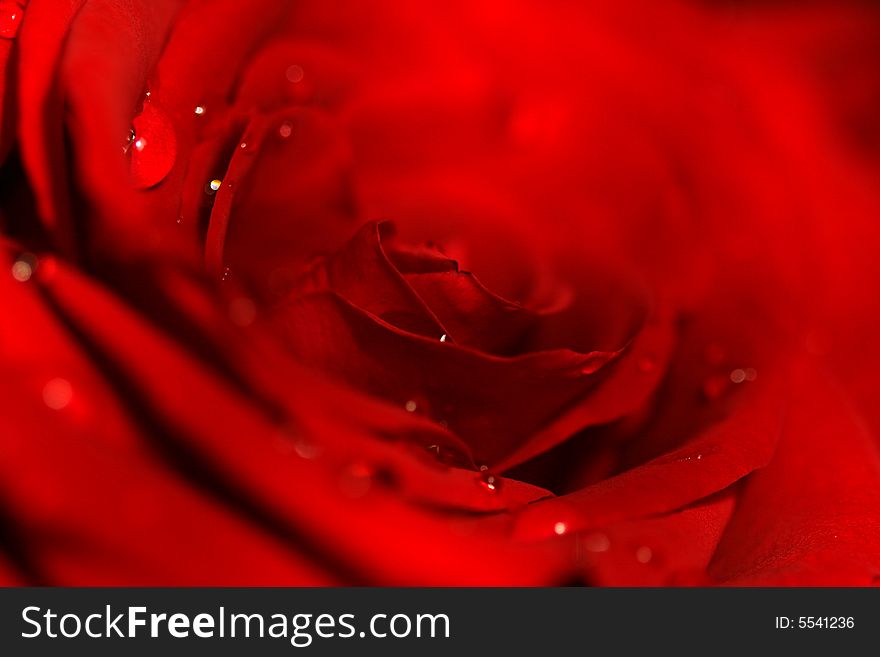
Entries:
{"x":462,"y":293}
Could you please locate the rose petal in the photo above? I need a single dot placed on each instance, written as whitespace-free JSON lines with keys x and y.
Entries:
{"x":812,"y":516}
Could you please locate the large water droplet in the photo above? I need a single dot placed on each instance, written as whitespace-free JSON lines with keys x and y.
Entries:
{"x":560,"y":528}
{"x":11,"y":14}
{"x":57,"y":394}
{"x":644,"y":554}
{"x":295,"y":73}
{"x":154,"y":147}
{"x":490,"y":482}
{"x":23,"y":268}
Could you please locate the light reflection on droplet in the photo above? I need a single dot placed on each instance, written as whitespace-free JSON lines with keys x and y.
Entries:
{"x":154,"y":149}
{"x":199,"y":110}
{"x":23,"y":268}
{"x":644,"y":554}
{"x":490,"y":482}
{"x":738,"y":375}
{"x":597,"y":542}
{"x":57,"y":394}
{"x":560,"y":528}
{"x":295,"y":73}
{"x":243,"y":145}
{"x":443,"y":338}
{"x":10,"y":18}
{"x":129,"y":140}
{"x":410,"y":406}
{"x":285,"y":130}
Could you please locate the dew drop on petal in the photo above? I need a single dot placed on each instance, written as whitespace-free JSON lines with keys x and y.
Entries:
{"x":213,"y":186}
{"x":490,"y":482}
{"x":443,"y":338}
{"x":738,"y":375}
{"x":410,"y":406}
{"x":23,"y":268}
{"x":57,"y":394}
{"x":295,"y":73}
{"x":154,"y":147}
{"x":11,"y":14}
{"x":644,"y":554}
{"x":560,"y":528}
{"x":285,"y":130}
{"x":200,"y":110}
{"x":129,"y":140}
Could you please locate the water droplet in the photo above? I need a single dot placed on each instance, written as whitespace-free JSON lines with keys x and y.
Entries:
{"x":226,"y":275}
{"x":411,"y":406}
{"x":57,"y":394}
{"x":199,"y":110}
{"x":597,"y":542}
{"x":443,"y":338}
{"x":11,"y":14}
{"x":285,"y":130}
{"x":243,"y":145}
{"x":490,"y":482}
{"x":738,"y":375}
{"x":295,"y":73}
{"x":647,"y":364}
{"x":129,"y":141}
{"x":23,"y":268}
{"x":356,"y":480}
{"x":154,"y":147}
{"x":483,"y":468}
{"x":560,"y":528}
{"x":644,"y":554}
